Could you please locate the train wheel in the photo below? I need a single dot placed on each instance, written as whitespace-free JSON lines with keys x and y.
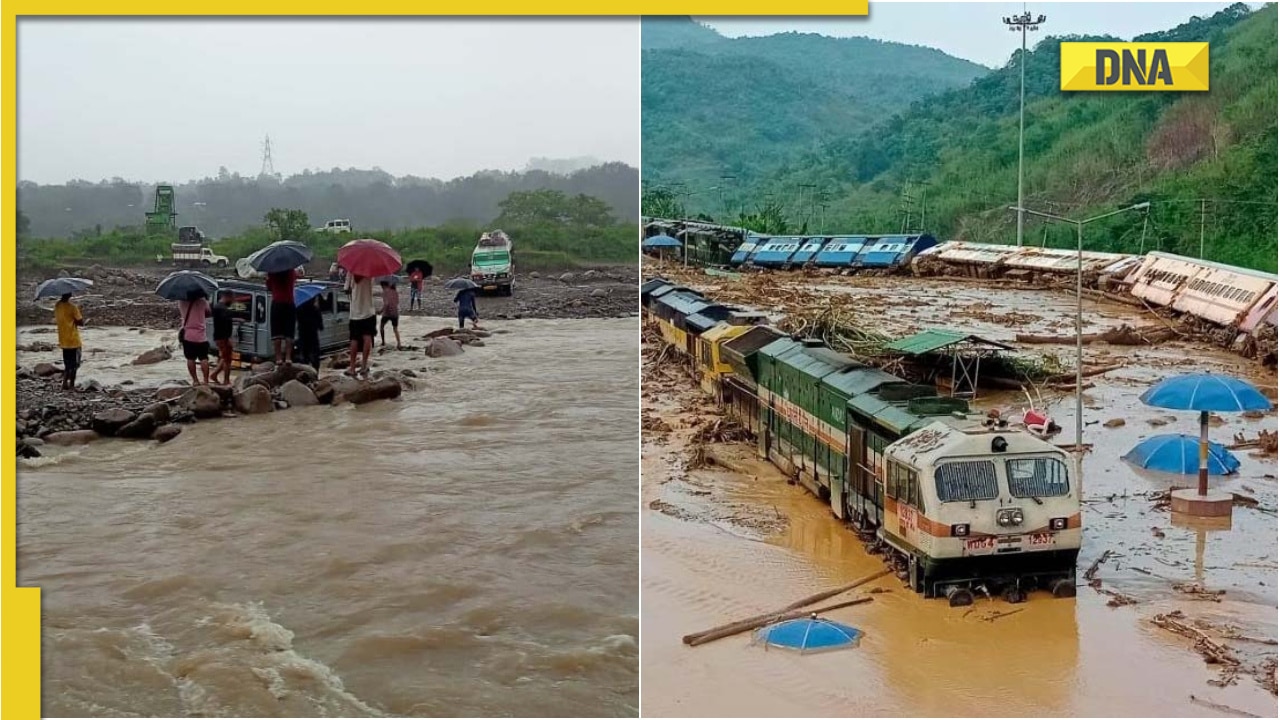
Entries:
{"x":1064,"y":588}
{"x":959,"y":596}
{"x":1015,"y":595}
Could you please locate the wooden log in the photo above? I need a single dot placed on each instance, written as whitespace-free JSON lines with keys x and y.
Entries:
{"x":760,"y":621}
{"x":1088,"y":372}
{"x":811,"y":599}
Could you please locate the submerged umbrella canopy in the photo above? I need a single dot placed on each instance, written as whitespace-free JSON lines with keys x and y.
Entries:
{"x":58,"y":287}
{"x":809,"y":635}
{"x":460,"y":283}
{"x":306,"y":293}
{"x":660,"y":241}
{"x":420,"y":265}
{"x":368,"y":258}
{"x":1205,"y":393}
{"x":280,"y":257}
{"x":1181,"y":454}
{"x":178,"y":285}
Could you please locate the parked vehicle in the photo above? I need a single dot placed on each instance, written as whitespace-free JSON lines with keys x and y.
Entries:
{"x":492,"y":263}
{"x":196,"y":254}
{"x":336,"y":226}
{"x":251,"y":313}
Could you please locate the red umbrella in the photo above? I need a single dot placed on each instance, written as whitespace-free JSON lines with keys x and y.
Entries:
{"x":369,"y":258}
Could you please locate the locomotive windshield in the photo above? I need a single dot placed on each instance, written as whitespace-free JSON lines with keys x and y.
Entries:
{"x":966,"y":481}
{"x":1037,"y":477}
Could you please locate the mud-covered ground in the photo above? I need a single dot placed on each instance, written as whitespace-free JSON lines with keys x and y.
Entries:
{"x":1172,"y":619}
{"x":126,"y":297}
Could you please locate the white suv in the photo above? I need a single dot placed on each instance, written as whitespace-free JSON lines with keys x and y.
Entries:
{"x":336,"y":226}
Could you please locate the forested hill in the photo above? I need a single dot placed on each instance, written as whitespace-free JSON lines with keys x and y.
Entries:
{"x":372,"y":199}
{"x":956,"y":154}
{"x":715,"y":106}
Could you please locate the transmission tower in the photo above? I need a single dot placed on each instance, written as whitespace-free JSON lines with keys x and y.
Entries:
{"x":268,"y":168}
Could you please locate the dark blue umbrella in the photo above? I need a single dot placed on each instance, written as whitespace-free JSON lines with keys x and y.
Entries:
{"x":809,"y":635}
{"x":280,"y":256}
{"x":58,"y":287}
{"x":1205,"y":393}
{"x":180,"y":284}
{"x":660,"y":241}
{"x":306,"y":293}
{"x":1181,"y":454}
{"x":460,"y":284}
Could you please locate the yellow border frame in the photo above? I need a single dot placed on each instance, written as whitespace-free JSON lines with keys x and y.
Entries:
{"x":20,"y":615}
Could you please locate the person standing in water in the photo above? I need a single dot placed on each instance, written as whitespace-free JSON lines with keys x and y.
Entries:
{"x":363,"y":321}
{"x":390,"y":312}
{"x":195,"y":341}
{"x":466,"y":300}
{"x":222,"y":337}
{"x":415,"y":289}
{"x":69,"y":320}
{"x":284,"y":316}
{"x":310,"y":323}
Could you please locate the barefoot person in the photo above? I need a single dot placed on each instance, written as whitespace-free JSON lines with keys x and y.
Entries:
{"x":284,"y":316}
{"x":195,"y":342}
{"x":69,"y":320}
{"x":363,"y":319}
{"x":466,"y":300}
{"x":222,"y":337}
{"x":390,"y":312}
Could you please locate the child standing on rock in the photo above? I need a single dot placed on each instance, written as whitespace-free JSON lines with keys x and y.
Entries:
{"x":222,"y":337}
{"x":390,"y":311}
{"x":69,"y":320}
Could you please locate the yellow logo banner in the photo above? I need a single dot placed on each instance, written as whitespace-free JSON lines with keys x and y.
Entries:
{"x":1135,"y":67}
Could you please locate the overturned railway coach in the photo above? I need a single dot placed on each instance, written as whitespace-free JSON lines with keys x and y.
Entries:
{"x":960,"y":505}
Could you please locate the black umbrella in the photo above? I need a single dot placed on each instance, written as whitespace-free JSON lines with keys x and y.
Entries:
{"x":422,"y":265}
{"x":280,"y":256}
{"x":178,"y":285}
{"x":58,"y":287}
{"x":460,"y":284}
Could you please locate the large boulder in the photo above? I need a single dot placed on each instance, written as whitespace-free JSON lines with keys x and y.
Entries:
{"x":443,"y":347}
{"x":71,"y":437}
{"x":109,"y":422}
{"x":160,"y":411}
{"x":170,"y":391}
{"x":279,"y":376}
{"x":384,"y":388}
{"x":323,"y":390}
{"x":202,"y":402}
{"x":153,"y":356}
{"x":254,"y":400}
{"x":46,"y":370}
{"x":297,"y":394}
{"x":140,"y":428}
{"x":165,"y":433}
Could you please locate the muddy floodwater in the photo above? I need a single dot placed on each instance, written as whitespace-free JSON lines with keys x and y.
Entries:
{"x":721,"y":544}
{"x":468,"y":549}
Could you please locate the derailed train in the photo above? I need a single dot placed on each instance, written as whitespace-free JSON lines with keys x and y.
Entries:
{"x":960,"y":504}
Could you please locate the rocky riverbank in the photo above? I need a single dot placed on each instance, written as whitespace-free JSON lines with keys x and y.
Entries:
{"x":126,"y":297}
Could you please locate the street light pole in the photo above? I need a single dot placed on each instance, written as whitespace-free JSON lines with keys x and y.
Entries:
{"x":1022,"y":23}
{"x":1080,"y":306}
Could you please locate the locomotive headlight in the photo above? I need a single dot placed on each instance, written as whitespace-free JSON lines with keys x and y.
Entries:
{"x":1002,"y":520}
{"x":1017,"y":517}
{"x":1058,"y":524}
{"x":961,"y":530}
{"x":1009,"y":517}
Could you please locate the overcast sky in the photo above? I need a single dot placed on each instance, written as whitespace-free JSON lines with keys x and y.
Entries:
{"x":974,"y":31}
{"x":153,"y":100}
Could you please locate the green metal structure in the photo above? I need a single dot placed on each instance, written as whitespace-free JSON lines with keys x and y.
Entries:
{"x":164,"y":218}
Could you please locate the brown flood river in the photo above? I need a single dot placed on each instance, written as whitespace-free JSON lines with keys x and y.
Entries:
{"x":720,"y":556}
{"x":469,"y":549}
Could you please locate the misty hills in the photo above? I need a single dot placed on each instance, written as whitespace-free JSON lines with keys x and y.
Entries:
{"x":372,"y":199}
{"x":715,"y":106}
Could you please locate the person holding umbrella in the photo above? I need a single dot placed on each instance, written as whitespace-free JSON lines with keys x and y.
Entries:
{"x":364,"y":260}
{"x":69,"y":319}
{"x":281,"y":261}
{"x":195,"y":342}
{"x":415,"y":289}
{"x":465,"y":300}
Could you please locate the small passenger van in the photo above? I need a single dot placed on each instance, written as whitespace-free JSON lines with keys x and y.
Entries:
{"x":251,"y":313}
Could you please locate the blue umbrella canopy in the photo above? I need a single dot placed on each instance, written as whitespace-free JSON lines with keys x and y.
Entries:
{"x":1181,"y":454}
{"x":280,"y":256}
{"x":660,"y":241}
{"x":809,"y":635}
{"x":57,"y":287}
{"x":1205,"y":393}
{"x":178,"y":285}
{"x":306,"y":293}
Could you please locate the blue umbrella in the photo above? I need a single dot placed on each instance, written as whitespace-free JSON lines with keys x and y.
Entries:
{"x":809,"y":635}
{"x":1181,"y":454}
{"x":280,"y":257}
{"x":57,"y":287}
{"x":660,"y":241}
{"x":180,"y":284}
{"x":306,"y":293}
{"x":1205,"y":393}
{"x":460,"y":283}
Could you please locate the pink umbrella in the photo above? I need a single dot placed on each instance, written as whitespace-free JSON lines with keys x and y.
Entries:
{"x":369,"y":258}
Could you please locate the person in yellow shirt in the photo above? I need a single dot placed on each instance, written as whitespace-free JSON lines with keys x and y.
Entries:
{"x":67,"y":314}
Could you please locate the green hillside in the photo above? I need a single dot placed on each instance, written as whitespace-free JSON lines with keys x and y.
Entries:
{"x":956,"y":155}
{"x":715,"y":106}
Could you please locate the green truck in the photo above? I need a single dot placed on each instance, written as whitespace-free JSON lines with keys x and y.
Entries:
{"x":493,"y":264}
